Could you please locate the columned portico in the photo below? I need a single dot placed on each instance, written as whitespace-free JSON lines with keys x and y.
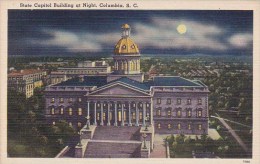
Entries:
{"x":116,"y":112}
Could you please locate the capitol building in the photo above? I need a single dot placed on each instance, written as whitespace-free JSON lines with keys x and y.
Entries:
{"x":123,"y":101}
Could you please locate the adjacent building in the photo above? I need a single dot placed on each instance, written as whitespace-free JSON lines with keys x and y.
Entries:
{"x":26,"y":81}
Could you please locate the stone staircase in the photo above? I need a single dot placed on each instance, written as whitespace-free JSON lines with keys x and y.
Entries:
{"x":117,"y":133}
{"x":112,"y":150}
{"x":114,"y":142}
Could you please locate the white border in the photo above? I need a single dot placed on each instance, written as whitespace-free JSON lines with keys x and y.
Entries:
{"x":143,"y":5}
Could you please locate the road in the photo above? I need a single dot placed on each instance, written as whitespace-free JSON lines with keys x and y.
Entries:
{"x":233,"y":133}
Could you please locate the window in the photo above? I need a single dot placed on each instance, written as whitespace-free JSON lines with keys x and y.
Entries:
{"x":199,"y":127}
{"x":52,"y":100}
{"x":79,"y":111}
{"x":70,"y":100}
{"x":189,"y":113}
{"x":79,"y":124}
{"x":179,"y":126}
{"x":119,"y":116}
{"x":140,"y":115}
{"x":70,"y":124}
{"x":199,"y":113}
{"x":79,"y":99}
{"x":70,"y":111}
{"x":52,"y":111}
{"x":189,"y":126}
{"x":178,"y":101}
{"x":53,"y":123}
{"x":61,"y":100}
{"x":134,"y":116}
{"x":199,"y":101}
{"x":158,"y":112}
{"x":188,"y":101}
{"x":169,"y":126}
{"x":169,"y":112}
{"x":158,"y":100}
{"x":61,"y":110}
{"x":159,"y":126}
{"x":104,"y":116}
{"x":168,"y":101}
{"x":179,"y":113}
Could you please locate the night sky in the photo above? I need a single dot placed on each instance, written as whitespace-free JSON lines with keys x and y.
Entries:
{"x":90,"y":32}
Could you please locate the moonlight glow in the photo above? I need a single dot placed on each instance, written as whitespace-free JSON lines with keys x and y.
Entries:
{"x":181,"y":29}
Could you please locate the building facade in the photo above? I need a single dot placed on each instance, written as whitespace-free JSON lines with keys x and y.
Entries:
{"x":87,"y":68}
{"x":169,"y":104}
{"x":26,"y":81}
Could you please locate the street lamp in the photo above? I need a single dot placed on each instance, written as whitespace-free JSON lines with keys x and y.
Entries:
{"x":87,"y":122}
{"x":79,"y":144}
{"x":146,"y":128}
{"x":144,"y":136}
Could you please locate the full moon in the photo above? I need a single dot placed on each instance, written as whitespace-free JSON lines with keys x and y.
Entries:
{"x":181,"y":29}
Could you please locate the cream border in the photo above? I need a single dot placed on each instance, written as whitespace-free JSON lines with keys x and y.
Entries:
{"x":144,"y":5}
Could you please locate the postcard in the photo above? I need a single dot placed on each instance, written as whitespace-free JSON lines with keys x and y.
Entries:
{"x":130,"y":81}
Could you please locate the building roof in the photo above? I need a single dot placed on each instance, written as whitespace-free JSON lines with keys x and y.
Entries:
{"x":24,"y":72}
{"x":86,"y":81}
{"x":133,"y":83}
{"x":172,"y":81}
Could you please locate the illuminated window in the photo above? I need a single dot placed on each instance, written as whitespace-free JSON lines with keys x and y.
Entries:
{"x":79,"y":124}
{"x":79,"y":111}
{"x":61,"y":100}
{"x":168,"y":101}
{"x":189,"y":126}
{"x":169,"y":113}
{"x":179,"y":126}
{"x":52,"y":100}
{"x":70,"y":99}
{"x":169,"y":126}
{"x":158,"y":100}
{"x":178,"y":101}
{"x":158,"y":112}
{"x":134,"y":116}
{"x":188,"y":101}
{"x":119,"y":116}
{"x":124,"y":115}
{"x":104,"y":116}
{"x":70,"y":111}
{"x":159,"y":126}
{"x":70,"y":124}
{"x":199,"y":101}
{"x":189,"y":113}
{"x":179,"y":113}
{"x":52,"y":111}
{"x":53,"y":123}
{"x":199,"y":126}
{"x":200,"y":113}
{"x":140,"y":115}
{"x":61,"y":110}
{"x":79,"y":99}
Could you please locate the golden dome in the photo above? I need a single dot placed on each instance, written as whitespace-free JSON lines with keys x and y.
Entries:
{"x":126,"y":26}
{"x":126,"y":46}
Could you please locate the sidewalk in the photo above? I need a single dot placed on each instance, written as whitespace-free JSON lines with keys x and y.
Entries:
{"x":159,"y":150}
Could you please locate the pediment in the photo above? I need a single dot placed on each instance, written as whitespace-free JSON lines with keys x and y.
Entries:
{"x":118,"y":89}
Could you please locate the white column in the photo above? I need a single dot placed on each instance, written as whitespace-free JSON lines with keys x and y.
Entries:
{"x":151,"y":112}
{"x":122,"y":115}
{"x":88,"y":108}
{"x":115,"y":124}
{"x":144,"y":111}
{"x":108,"y":114}
{"x":136,"y":115}
{"x":102,"y":121}
{"x":129,"y":114}
{"x":95,"y":113}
